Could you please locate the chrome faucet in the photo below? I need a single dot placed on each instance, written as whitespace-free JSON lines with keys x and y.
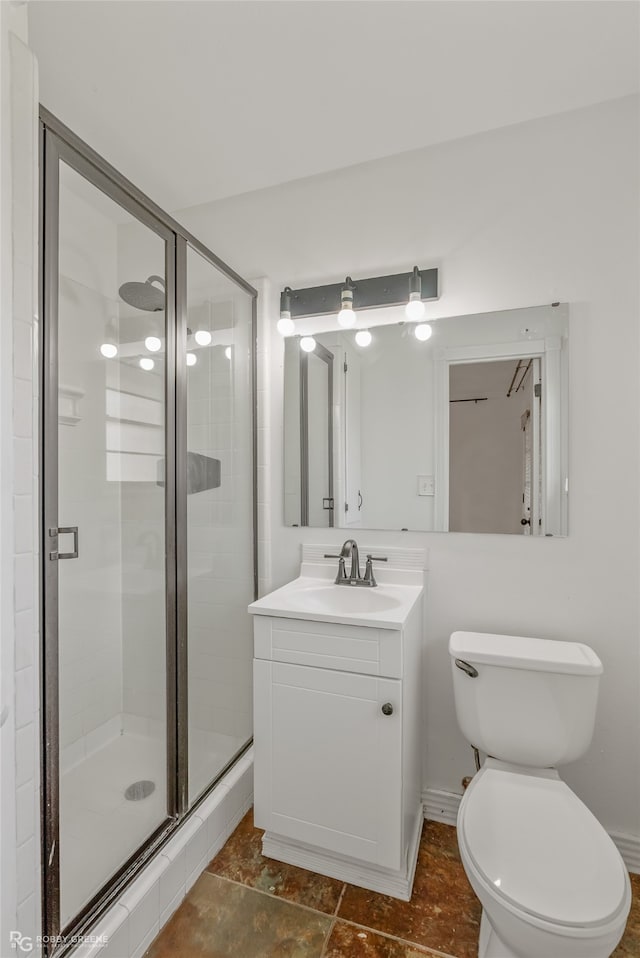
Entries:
{"x":350,"y":551}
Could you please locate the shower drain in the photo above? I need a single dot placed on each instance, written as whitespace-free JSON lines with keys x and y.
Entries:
{"x":139,"y":790}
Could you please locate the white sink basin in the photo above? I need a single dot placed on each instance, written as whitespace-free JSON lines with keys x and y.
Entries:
{"x":386,"y":605}
{"x":334,"y":599}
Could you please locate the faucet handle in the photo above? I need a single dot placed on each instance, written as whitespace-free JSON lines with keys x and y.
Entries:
{"x":369,"y":577}
{"x":342,"y":572}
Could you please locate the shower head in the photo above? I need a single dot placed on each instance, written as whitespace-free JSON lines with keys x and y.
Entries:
{"x":147,"y":295}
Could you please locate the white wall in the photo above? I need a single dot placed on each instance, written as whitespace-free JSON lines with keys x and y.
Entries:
{"x":528,"y":214}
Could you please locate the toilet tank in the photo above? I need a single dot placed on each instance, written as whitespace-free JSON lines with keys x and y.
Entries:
{"x":532,"y":701}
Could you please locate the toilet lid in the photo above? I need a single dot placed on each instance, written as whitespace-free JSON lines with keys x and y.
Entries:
{"x":542,"y":849}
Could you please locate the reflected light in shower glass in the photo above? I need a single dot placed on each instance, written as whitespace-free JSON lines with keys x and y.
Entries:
{"x":153,"y":344}
{"x":202,"y":337}
{"x":146,"y":363}
{"x":192,"y":359}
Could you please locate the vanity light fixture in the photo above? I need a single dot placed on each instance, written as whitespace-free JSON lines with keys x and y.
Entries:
{"x":153,"y":344}
{"x":285,"y":324}
{"x":422,"y":332}
{"x":415,"y":307}
{"x":146,"y":363}
{"x":374,"y":292}
{"x":109,"y":350}
{"x":363,"y":337}
{"x":346,"y":316}
{"x":308,"y":344}
{"x":192,"y":359}
{"x":202,"y":337}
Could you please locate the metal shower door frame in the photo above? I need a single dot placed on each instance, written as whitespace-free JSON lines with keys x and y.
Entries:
{"x":58,"y":143}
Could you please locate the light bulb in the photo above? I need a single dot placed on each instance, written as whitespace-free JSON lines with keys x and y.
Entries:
{"x":227,"y":352}
{"x":146,"y":363}
{"x":346,"y":317}
{"x":202,"y":337}
{"x":415,"y":307}
{"x":109,"y":350}
{"x":285,"y":325}
{"x":192,"y":359}
{"x":363,"y":337}
{"x":308,"y":344}
{"x":422,"y":332}
{"x":153,"y":344}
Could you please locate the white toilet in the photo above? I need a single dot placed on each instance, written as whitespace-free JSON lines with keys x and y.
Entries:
{"x":551,"y":882}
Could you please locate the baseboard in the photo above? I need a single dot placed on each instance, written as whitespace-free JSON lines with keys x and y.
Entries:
{"x":629,"y":848}
{"x":397,"y":884}
{"x":442,"y":806}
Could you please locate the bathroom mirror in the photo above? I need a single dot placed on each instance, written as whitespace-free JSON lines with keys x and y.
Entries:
{"x":466,"y":431}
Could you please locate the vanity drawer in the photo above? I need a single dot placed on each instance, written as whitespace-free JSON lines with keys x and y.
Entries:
{"x":329,"y":645}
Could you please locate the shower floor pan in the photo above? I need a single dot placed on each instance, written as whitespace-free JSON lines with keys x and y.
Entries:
{"x":99,"y":827}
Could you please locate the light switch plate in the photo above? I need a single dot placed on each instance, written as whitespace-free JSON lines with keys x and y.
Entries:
{"x":426,"y":486}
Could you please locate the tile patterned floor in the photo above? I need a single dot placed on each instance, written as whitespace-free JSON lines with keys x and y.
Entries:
{"x":248,"y":906}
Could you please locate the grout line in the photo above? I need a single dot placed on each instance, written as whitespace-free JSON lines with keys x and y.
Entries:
{"x":403,"y":941}
{"x":334,"y":918}
{"x":342,"y":894}
{"x":333,"y":922}
{"x":268,"y":894}
{"x":328,"y":937}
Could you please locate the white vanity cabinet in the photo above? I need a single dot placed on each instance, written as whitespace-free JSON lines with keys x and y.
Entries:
{"x":336,"y":746}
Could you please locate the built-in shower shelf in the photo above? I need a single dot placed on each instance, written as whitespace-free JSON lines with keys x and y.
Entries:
{"x":68,"y":405}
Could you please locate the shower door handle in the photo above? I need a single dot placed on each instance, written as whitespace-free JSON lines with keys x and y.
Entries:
{"x":72,"y":530}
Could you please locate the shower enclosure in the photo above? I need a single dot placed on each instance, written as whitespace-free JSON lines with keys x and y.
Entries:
{"x":148,"y":525}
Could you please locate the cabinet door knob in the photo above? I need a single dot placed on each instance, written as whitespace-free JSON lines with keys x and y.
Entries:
{"x":387,"y":708}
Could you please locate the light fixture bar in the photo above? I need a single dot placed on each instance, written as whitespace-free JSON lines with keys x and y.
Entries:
{"x":369,"y":293}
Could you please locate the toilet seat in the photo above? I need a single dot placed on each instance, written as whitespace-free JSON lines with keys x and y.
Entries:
{"x":540,"y":851}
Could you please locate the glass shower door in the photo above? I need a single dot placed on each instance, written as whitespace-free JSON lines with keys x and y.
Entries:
{"x":107,"y":548}
{"x":147,"y":541}
{"x":220,"y":570}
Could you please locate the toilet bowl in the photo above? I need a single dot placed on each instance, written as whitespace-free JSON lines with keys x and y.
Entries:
{"x":551,"y":882}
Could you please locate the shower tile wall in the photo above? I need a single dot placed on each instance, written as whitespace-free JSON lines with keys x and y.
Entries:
{"x":20,"y":786}
{"x":143,"y":598}
{"x":139,"y":434}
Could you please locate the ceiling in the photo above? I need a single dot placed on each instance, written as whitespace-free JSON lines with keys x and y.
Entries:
{"x":195,"y":101}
